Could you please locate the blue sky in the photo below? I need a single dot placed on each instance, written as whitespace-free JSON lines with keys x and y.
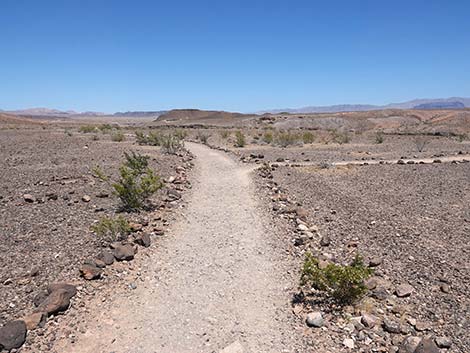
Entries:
{"x":235,"y":55}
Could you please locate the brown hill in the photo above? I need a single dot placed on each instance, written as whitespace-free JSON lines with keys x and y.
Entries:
{"x":204,"y":117}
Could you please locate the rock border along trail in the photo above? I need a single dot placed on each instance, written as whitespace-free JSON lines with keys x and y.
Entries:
{"x":215,"y":281}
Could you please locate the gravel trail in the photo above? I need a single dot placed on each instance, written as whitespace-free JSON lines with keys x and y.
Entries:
{"x":215,"y":280}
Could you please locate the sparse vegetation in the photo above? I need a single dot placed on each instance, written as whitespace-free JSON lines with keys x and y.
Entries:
{"x":340,"y":137}
{"x":111,"y":229}
{"x":118,"y":136}
{"x":171,"y":143}
{"x":379,"y":137}
{"x":420,"y":142}
{"x":240,"y":139}
{"x":105,"y":128}
{"x":87,"y":129}
{"x":137,"y":182}
{"x":462,"y":137}
{"x":268,"y":137}
{"x":202,"y":136}
{"x":343,"y":284}
{"x":286,"y":138}
{"x":224,"y":134}
{"x":308,"y":137}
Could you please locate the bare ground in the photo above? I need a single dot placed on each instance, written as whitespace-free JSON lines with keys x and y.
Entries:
{"x":215,"y":280}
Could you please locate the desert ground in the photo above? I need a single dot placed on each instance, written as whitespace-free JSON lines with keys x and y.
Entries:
{"x":214,"y":263}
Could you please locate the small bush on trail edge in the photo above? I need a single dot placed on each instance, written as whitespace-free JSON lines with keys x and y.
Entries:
{"x":202,"y":136}
{"x":111,"y":229}
{"x":117,"y":136}
{"x":462,"y":137}
{"x":224,"y":134}
{"x":171,"y":143}
{"x":308,"y":137}
{"x":136,"y":184}
{"x":240,"y":139}
{"x":86,"y":129}
{"x":343,"y":284}
{"x":379,"y":137}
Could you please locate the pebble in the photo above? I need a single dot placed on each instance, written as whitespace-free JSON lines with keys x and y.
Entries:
{"x":403,"y":290}
{"x":315,"y":319}
{"x":348,"y":342}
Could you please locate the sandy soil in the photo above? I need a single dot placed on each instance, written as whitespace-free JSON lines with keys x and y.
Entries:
{"x":215,"y":280}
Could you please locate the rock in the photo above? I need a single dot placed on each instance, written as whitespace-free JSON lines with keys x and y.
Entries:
{"x":235,"y":347}
{"x":35,"y":320}
{"x":86,"y":198}
{"x":375,"y":261}
{"x":173,"y":195}
{"x":391,"y":326}
{"x":368,"y":320}
{"x":136,"y":227}
{"x":325,"y":240}
{"x":123,"y":252}
{"x":371,"y":283}
{"x":348,"y":342}
{"x":427,"y":345}
{"x":315,"y":319}
{"x":302,"y":227}
{"x":57,"y":301}
{"x":421,"y":326}
{"x":143,"y":240}
{"x":70,"y":289}
{"x":401,"y":161}
{"x":301,"y":240}
{"x":445,"y":288}
{"x":301,"y":213}
{"x":410,"y":344}
{"x":90,"y":272}
{"x":403,"y":290}
{"x":29,"y":198}
{"x":39,"y":298}
{"x":106,"y":257}
{"x":99,"y":263}
{"x":443,"y":342}
{"x":13,"y":335}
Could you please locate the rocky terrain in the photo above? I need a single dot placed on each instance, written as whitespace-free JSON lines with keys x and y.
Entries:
{"x":49,"y":199}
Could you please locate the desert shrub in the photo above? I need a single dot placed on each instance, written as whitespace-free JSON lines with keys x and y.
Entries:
{"x":340,"y":137}
{"x":462,"y":137}
{"x":68,"y":132}
{"x":240,"y":140}
{"x":268,"y":137}
{"x":105,"y":128}
{"x":343,"y":284}
{"x":86,"y":129}
{"x":379,"y":137}
{"x":118,"y":136}
{"x":154,"y":138}
{"x":420,"y":142}
{"x":224,"y":134}
{"x":202,"y":136}
{"x":171,"y":143}
{"x":308,"y":137}
{"x":111,"y":229}
{"x":141,"y":138}
{"x":137,"y":183}
{"x":325,"y":165}
{"x":286,"y":138}
{"x":180,"y":133}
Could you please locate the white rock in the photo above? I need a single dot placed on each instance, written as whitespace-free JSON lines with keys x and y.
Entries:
{"x":348,"y":342}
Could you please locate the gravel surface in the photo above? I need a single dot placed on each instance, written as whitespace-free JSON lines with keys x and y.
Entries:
{"x":415,"y":219}
{"x":216,"y":280}
{"x":46,"y":240}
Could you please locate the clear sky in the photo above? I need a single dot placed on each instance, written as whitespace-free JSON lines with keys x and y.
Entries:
{"x":113,"y":55}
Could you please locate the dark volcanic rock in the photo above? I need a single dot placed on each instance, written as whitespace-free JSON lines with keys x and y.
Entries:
{"x":13,"y":335}
{"x":90,"y":272}
{"x":123,"y":252}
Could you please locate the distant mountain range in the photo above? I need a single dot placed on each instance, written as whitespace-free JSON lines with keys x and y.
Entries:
{"x":438,"y":103}
{"x":422,"y":104}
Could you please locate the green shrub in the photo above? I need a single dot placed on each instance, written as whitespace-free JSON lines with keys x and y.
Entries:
{"x":343,"y":284}
{"x":308,"y":137}
{"x":111,"y":229}
{"x":462,"y":137}
{"x":86,"y":129}
{"x":137,"y":182}
{"x":340,"y":137}
{"x":180,"y":133}
{"x":105,"y":128}
{"x":379,"y":137}
{"x":285,"y":138}
{"x":268,"y":137}
{"x":118,"y":136}
{"x":224,"y":134}
{"x":171,"y":143}
{"x":240,"y":140}
{"x":202,"y":136}
{"x":141,"y":138}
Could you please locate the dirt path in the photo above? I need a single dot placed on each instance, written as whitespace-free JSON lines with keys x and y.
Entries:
{"x":215,"y":279}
